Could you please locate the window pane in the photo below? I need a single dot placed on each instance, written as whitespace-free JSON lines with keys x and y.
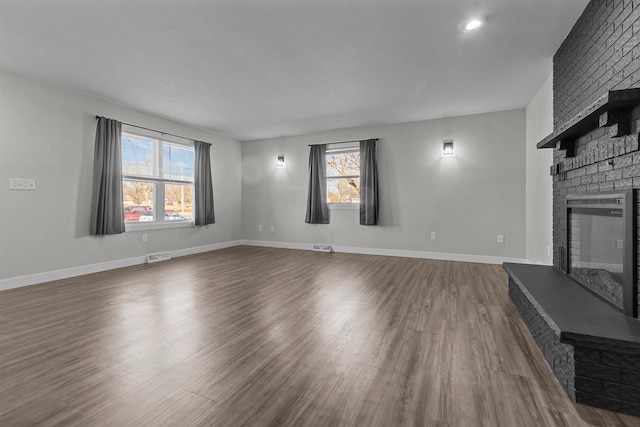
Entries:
{"x":343,"y":190}
{"x":178,"y":202}
{"x":137,"y":155}
{"x":178,"y":162}
{"x":138,"y":201}
{"x":341,"y":164}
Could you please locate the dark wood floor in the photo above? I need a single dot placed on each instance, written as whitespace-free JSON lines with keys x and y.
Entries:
{"x":263,"y":337}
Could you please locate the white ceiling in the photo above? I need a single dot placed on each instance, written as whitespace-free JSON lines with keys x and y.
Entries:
{"x":258,"y":69}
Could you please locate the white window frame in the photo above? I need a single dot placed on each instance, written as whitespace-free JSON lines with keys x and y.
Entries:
{"x":158,"y":180}
{"x":346,"y":148}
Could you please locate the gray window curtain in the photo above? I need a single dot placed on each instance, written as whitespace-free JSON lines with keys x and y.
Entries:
{"x":317,"y":208}
{"x":203,"y":185}
{"x":368,"y":182}
{"x":107,"y":213}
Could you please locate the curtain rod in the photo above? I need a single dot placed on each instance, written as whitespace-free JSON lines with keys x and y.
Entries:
{"x":152,"y":130}
{"x":340,"y":142}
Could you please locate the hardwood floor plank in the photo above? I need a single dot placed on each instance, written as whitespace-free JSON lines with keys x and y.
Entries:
{"x":274,"y":337}
{"x":181,"y":408}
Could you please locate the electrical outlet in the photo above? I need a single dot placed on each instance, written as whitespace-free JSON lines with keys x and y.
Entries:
{"x":500,"y":238}
{"x":273,"y":228}
{"x":260,"y":227}
{"x":22,"y":184}
{"x":434,"y":236}
{"x":144,"y":237}
{"x":620,"y":244}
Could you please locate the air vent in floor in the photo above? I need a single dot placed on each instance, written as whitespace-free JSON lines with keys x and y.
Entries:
{"x":160,"y":256}
{"x":321,"y":248}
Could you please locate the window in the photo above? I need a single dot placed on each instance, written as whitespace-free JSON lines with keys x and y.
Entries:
{"x":343,"y":177}
{"x":157,"y":179}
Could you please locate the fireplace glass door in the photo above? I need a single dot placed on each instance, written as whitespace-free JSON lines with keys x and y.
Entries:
{"x":596,"y":250}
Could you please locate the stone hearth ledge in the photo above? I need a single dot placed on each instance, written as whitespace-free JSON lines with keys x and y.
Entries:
{"x":592,"y":348}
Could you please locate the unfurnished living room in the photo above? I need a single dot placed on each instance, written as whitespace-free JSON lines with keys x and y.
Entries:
{"x":319,"y":212}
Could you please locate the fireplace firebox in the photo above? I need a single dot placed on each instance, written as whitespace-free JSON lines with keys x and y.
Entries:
{"x":601,"y":246}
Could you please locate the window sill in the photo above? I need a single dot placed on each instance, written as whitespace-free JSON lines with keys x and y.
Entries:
{"x":144,"y":226}
{"x":344,"y":206}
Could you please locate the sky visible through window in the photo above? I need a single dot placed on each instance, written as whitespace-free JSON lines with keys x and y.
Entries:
{"x":178,"y":162}
{"x":138,"y":158}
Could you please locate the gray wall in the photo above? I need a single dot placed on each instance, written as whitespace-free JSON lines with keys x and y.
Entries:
{"x":539,"y":188}
{"x":48,"y":134}
{"x":467,"y":199}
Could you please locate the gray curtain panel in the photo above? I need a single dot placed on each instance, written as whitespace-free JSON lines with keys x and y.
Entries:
{"x":107,"y":213}
{"x":203,"y":185}
{"x":368,"y":182}
{"x":317,"y":208}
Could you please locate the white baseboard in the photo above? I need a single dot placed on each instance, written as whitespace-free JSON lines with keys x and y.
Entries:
{"x":483,"y":259}
{"x":279,"y":245}
{"x":33,"y":279}
{"x":206,"y":248}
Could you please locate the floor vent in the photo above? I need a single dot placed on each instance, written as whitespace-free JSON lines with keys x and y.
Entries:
{"x":321,"y":248}
{"x":160,"y":256}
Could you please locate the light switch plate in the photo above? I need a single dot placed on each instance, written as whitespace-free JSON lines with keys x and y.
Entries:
{"x":22,"y":184}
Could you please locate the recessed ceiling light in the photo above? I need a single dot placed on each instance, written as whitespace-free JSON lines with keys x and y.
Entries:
{"x":472,"y":24}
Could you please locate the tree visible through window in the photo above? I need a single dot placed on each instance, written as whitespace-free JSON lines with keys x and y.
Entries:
{"x":343,"y":176}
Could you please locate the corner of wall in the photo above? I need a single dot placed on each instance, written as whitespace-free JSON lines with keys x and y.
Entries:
{"x":539,"y":185}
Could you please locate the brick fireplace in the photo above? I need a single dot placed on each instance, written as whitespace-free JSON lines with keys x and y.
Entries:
{"x":601,"y":53}
{"x":592,"y":346}
{"x":603,"y":159}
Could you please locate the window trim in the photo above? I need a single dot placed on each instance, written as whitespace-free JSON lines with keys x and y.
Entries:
{"x":154,"y":225}
{"x":159,"y":190}
{"x":344,"y":206}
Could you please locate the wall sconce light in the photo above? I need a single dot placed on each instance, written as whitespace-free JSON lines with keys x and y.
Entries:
{"x":447,"y":147}
{"x":280,"y":161}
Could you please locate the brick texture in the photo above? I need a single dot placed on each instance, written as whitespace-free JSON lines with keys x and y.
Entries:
{"x":597,"y":373}
{"x":559,"y":356}
{"x":601,"y":53}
